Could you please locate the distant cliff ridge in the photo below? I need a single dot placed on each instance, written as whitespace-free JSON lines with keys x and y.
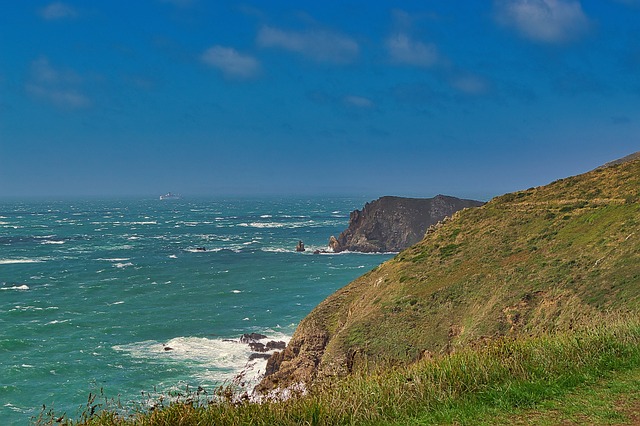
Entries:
{"x":391,"y":224}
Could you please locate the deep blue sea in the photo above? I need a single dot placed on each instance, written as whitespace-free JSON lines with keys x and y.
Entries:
{"x":92,"y":291}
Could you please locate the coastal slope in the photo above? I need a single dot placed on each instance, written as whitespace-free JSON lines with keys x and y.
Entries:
{"x":391,"y":224}
{"x":527,"y":262}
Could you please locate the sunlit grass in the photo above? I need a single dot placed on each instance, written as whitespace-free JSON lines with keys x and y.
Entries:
{"x":501,"y":376}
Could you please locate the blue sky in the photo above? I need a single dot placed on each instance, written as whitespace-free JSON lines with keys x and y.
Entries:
{"x":416,"y":98}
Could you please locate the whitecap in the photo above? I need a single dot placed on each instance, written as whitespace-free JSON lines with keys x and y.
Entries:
{"x":236,"y":291}
{"x":190,"y":223}
{"x":57,"y":322}
{"x":12,"y":261}
{"x":212,"y":361}
{"x":52,"y":242}
{"x":123,"y":265}
{"x":173,"y":256}
{"x":347,"y":252}
{"x":196,"y":250}
{"x":263,"y":225}
{"x":14,"y":408}
{"x":275,"y":250}
{"x":266,"y":216}
{"x":16,"y":287}
{"x":115,"y":259}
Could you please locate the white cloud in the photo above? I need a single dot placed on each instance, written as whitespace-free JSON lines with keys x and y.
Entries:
{"x":58,"y":10}
{"x":59,"y":87}
{"x":322,"y":46}
{"x":68,"y":98}
{"x":404,"y":50}
{"x":546,"y":21}
{"x":469,"y":84}
{"x":359,"y":101}
{"x":232,"y":63}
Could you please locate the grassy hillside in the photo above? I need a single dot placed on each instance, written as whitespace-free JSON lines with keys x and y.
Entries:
{"x":528,"y":262}
{"x":523,"y":311}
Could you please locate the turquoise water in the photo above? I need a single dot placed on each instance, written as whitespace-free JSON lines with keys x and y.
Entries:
{"x":91,"y":292}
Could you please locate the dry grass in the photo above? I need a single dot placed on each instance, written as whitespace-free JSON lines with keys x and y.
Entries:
{"x":500,"y":376}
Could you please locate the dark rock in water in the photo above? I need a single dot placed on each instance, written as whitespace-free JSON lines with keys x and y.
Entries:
{"x":257,"y":347}
{"x":316,"y":252}
{"x":252,"y":337}
{"x":300,"y":246}
{"x":258,"y":356}
{"x":391,"y":224}
{"x":201,"y":249}
{"x":168,"y":348}
{"x":272,"y":344}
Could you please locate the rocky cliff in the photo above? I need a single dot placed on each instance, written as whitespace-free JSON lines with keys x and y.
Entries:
{"x":391,"y":224}
{"x":524,"y":263}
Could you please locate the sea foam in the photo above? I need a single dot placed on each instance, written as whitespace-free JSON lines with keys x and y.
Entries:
{"x":213,"y":361}
{"x":11,"y":261}
{"x":16,"y":287}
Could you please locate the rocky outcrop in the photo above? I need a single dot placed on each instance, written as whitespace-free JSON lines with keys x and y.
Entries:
{"x":300,"y":246}
{"x":297,"y":363}
{"x":391,"y":224}
{"x":334,"y":244}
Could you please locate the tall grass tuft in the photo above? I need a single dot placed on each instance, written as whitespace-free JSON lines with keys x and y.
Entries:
{"x":502,"y":375}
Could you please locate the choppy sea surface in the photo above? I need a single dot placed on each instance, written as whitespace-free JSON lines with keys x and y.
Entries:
{"x":92,"y":291}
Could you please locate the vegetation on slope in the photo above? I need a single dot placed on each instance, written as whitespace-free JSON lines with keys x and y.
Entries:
{"x":525,"y":263}
{"x":506,"y":379}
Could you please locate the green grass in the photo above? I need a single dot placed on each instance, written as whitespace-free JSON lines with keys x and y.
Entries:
{"x":495,"y":383}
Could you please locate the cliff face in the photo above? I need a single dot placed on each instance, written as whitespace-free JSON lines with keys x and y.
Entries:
{"x":393,"y":223}
{"x":526,"y":262}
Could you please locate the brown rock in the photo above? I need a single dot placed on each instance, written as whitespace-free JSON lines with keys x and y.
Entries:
{"x":297,"y":363}
{"x":334,"y":244}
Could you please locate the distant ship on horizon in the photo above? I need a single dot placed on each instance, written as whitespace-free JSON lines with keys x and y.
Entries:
{"x":170,"y":196}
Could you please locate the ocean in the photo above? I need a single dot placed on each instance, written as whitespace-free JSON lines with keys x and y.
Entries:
{"x":92,"y":292}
